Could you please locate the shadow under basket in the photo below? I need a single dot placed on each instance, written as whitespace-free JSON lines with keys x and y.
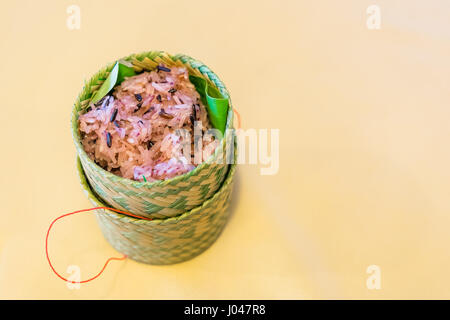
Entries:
{"x":159,"y":199}
{"x":164,"y":241}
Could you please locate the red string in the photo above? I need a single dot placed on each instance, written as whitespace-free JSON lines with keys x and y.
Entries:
{"x":97,"y":208}
{"x":107,"y":261}
{"x":239,"y":117}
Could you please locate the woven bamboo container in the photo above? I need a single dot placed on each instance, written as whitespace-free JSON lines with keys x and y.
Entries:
{"x":169,"y":240}
{"x":160,"y":199}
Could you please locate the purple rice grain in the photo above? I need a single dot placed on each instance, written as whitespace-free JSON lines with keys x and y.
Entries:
{"x":162,"y":68}
{"x":114,"y":115}
{"x":138,"y":106}
{"x":108,"y":140}
{"x":149,"y":110}
{"x":100,"y":102}
{"x":164,"y":114}
{"x":138,"y":97}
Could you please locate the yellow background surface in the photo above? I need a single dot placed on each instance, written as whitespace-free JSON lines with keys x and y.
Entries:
{"x":364,"y":173}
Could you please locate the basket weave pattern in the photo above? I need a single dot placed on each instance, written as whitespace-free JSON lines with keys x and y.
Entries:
{"x":165,"y":241}
{"x":161,"y":199}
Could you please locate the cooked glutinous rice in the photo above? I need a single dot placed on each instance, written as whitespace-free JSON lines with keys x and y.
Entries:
{"x":132,"y":132}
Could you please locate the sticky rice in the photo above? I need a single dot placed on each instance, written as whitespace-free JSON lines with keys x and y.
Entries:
{"x":133,"y":131}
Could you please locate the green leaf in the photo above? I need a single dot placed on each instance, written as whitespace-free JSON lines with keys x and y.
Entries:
{"x":125,"y":71}
{"x":118,"y":73}
{"x":216,"y":104}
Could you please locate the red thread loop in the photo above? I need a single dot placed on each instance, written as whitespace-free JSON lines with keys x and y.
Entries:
{"x":238,"y":116}
{"x":107,"y":261}
{"x":97,"y":208}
